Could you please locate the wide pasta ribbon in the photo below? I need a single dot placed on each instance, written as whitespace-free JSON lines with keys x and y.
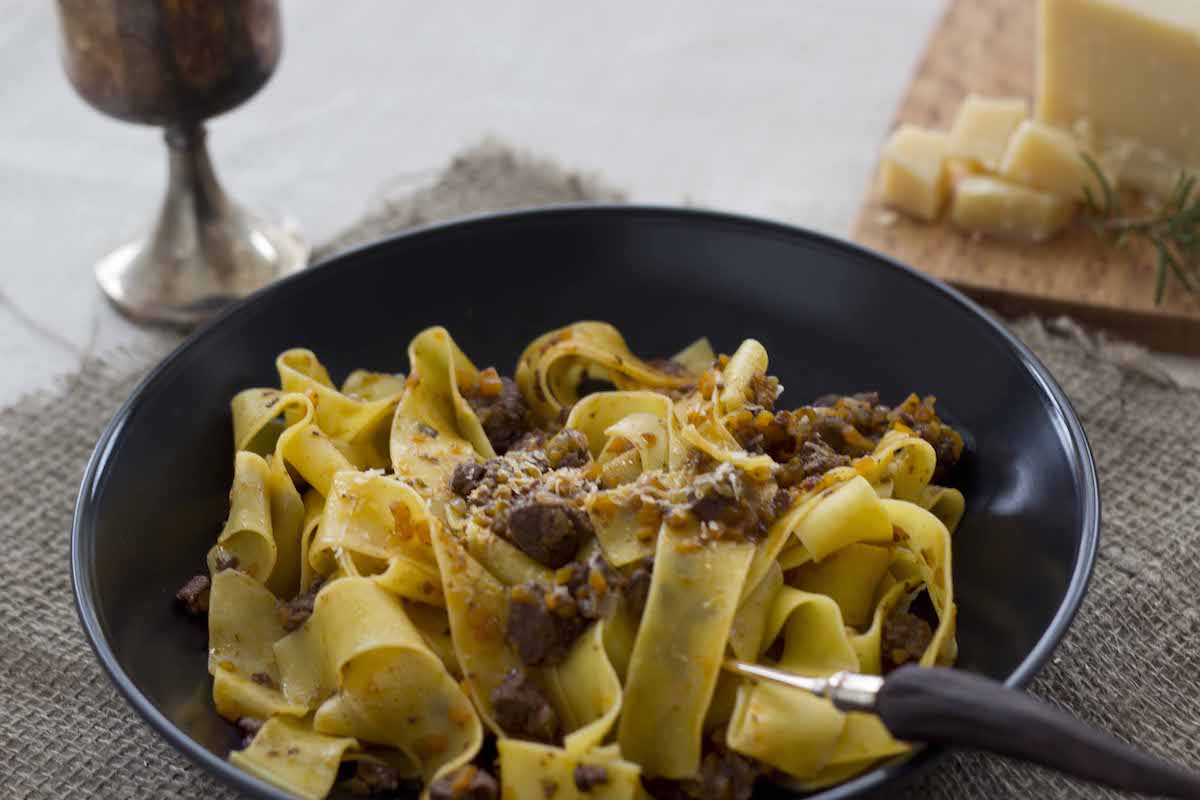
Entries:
{"x":531,"y":771}
{"x":584,"y":689}
{"x":384,"y":526}
{"x":849,"y":577}
{"x":901,"y":466}
{"x":902,"y":462}
{"x":859,"y":582}
{"x":678,"y":650}
{"x":242,"y":629}
{"x":633,"y":431}
{"x":747,"y":637}
{"x":260,"y":416}
{"x":263,"y":530}
{"x":406,"y":644}
{"x":358,"y":419}
{"x":947,"y":504}
{"x":822,"y":522}
{"x":643,"y":425}
{"x":308,"y":450}
{"x":703,"y":417}
{"x":868,"y":645}
{"x":504,"y":561}
{"x":553,"y":365}
{"x":748,"y":360}
{"x":388,"y":687}
{"x":477,"y":606}
{"x":289,"y":754}
{"x":795,"y":732}
{"x":434,"y":428}
{"x":586,"y":692}
{"x":353,"y":420}
{"x":790,"y":730}
{"x":925,"y":553}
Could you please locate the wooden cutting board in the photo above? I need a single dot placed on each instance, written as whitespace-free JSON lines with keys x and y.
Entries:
{"x":988,"y":47}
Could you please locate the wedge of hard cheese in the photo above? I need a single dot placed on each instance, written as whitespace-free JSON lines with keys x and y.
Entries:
{"x":1125,"y":76}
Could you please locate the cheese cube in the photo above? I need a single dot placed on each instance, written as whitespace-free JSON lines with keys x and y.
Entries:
{"x":957,"y":169}
{"x":996,"y":207}
{"x":912,"y":176}
{"x":982,"y":128}
{"x":1127,"y":70}
{"x":1050,"y":159}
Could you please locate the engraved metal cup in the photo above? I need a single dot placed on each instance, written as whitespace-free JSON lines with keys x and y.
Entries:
{"x":175,"y":63}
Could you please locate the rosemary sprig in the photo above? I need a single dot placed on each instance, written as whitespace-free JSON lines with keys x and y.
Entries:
{"x":1173,"y":230}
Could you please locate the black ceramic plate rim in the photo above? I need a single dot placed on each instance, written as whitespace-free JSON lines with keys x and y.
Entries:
{"x":895,"y":771}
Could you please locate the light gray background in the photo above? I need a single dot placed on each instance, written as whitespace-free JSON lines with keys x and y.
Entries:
{"x":773,"y":108}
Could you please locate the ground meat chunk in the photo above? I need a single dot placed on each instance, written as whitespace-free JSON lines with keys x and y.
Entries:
{"x":468,"y":783}
{"x":917,"y":413}
{"x":249,"y":727}
{"x":948,"y":449}
{"x":853,"y":424}
{"x":905,"y":639}
{"x":724,"y":775}
{"x":763,"y":391}
{"x":732,"y":504}
{"x":672,"y":368}
{"x":548,"y":529}
{"x":836,"y":429}
{"x":538,"y":633}
{"x":376,"y":777}
{"x":504,"y":415}
{"x":589,"y":776}
{"x":594,"y":586}
{"x":534,"y":440}
{"x":296,"y":611}
{"x":466,"y":477}
{"x":568,"y":448}
{"x":263,"y":679}
{"x":637,"y":587}
{"x":812,"y":460}
{"x":225,"y":561}
{"x":666,"y":789}
{"x":194,"y":595}
{"x":843,"y":437}
{"x":862,"y":411}
{"x":523,"y":710}
{"x":778,"y":434}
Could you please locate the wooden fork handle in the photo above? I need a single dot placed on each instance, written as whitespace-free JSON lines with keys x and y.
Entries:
{"x":957,"y":708}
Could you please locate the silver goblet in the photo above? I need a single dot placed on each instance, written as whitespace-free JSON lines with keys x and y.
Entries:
{"x":175,"y":63}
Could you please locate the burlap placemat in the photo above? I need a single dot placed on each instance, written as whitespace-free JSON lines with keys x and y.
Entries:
{"x":1131,"y":662}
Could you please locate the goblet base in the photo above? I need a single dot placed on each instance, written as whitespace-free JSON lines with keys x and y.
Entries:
{"x":182,"y":274}
{"x":204,"y":252}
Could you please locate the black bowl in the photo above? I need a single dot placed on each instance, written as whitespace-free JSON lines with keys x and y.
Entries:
{"x":834,"y":317}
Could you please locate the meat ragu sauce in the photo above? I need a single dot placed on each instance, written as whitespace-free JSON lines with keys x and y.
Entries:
{"x":545,"y":495}
{"x":544,"y":491}
{"x":835,"y":430}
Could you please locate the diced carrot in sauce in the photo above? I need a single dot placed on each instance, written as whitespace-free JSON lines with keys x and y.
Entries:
{"x":490,"y":384}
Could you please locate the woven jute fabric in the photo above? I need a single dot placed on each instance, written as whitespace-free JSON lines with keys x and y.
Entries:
{"x":1131,"y":662}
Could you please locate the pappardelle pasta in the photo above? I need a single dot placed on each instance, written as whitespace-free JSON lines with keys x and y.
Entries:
{"x":414,"y":565}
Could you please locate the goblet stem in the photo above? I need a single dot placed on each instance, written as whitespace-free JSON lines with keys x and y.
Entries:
{"x":204,"y":252}
{"x":193,"y":193}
